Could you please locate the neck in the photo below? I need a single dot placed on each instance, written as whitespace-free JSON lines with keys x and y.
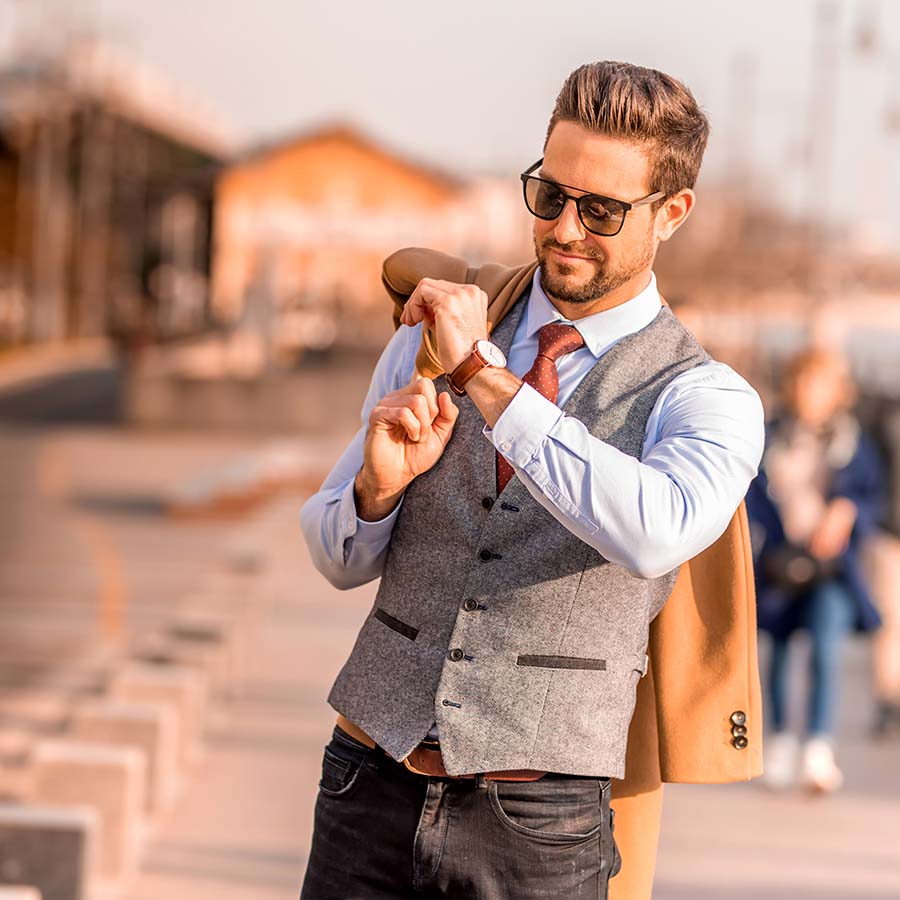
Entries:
{"x":616,"y":297}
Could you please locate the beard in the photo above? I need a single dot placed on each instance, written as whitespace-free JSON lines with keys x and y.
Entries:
{"x":558,"y":279}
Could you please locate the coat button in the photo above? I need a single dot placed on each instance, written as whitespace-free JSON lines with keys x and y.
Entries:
{"x":487,"y":502}
{"x":739,"y":717}
{"x":485,"y":555}
{"x":738,"y":730}
{"x":456,"y":654}
{"x":470,"y":605}
{"x":739,"y":742}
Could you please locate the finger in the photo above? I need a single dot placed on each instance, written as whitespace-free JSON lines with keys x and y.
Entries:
{"x":392,"y":417}
{"x":448,"y":412}
{"x":421,"y":301}
{"x":416,"y":309}
{"x":418,"y":403}
{"x":425,"y":387}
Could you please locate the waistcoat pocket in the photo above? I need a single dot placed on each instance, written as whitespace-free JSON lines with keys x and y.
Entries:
{"x":400,"y":627}
{"x":561,"y":662}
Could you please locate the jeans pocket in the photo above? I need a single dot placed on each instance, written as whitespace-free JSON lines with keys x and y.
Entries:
{"x":557,"y":811}
{"x":343,"y":762}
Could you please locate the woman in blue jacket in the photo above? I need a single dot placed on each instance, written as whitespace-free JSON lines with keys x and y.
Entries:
{"x":818,"y":494}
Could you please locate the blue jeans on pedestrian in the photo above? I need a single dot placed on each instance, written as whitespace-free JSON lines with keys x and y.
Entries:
{"x":382,"y":832}
{"x":829,"y":618}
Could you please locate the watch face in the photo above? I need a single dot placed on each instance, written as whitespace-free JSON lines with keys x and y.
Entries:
{"x":492,"y":353}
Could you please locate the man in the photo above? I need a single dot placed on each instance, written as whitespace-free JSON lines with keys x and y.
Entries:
{"x":527,"y":511}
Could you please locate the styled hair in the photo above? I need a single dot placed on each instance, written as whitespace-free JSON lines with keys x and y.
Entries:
{"x":640,"y":105}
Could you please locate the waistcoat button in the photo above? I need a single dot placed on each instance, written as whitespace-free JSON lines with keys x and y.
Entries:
{"x":456,"y":654}
{"x":486,"y":555}
{"x":487,"y":502}
{"x":470,"y":605}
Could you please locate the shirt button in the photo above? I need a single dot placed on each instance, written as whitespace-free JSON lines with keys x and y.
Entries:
{"x":505,"y":446}
{"x":470,"y":605}
{"x":485,"y":555}
{"x":456,"y":654}
{"x":487,"y":502}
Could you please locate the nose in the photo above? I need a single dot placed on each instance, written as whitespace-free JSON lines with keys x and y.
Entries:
{"x":568,"y":226}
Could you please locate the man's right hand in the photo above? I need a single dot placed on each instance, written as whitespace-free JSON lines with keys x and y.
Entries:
{"x":408,"y":431}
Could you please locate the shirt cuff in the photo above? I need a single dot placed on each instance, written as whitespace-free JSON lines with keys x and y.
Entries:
{"x":377,"y":532}
{"x":523,"y":426}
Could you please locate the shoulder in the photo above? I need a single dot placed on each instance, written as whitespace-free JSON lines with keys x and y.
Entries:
{"x":711,"y":381}
{"x":713,"y":402}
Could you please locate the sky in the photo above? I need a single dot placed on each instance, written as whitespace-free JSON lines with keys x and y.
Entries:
{"x":469,"y":85}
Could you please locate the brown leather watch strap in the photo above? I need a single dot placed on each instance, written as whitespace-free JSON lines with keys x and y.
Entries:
{"x":471,"y":365}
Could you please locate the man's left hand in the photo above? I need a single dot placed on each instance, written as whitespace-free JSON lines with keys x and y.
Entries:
{"x":458,"y":313}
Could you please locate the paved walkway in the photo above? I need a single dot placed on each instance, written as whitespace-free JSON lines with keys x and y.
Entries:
{"x":242,"y":829}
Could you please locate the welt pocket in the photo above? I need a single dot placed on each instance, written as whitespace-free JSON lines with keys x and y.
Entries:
{"x":395,"y":624}
{"x":561,"y":662}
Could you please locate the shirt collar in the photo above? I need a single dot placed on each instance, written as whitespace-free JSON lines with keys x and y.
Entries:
{"x":600,"y":330}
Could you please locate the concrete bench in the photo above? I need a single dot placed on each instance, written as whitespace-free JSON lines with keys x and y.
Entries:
{"x":107,"y":778}
{"x":210,"y":656}
{"x":151,"y":727}
{"x":48,"y":848}
{"x":183,"y":687}
{"x":19,"y":892}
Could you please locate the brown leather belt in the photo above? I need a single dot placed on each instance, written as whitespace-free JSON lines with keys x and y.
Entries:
{"x":424,"y":760}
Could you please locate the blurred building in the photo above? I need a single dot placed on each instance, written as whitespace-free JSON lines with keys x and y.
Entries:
{"x":106,"y":192}
{"x":302,"y":227}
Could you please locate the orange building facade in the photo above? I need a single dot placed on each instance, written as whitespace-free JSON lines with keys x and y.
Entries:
{"x":301,"y":230}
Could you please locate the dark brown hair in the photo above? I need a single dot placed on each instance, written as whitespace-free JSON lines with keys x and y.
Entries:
{"x":643,"y":106}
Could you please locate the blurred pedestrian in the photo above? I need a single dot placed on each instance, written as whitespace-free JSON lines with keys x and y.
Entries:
{"x":817,"y":496}
{"x":882,"y":564}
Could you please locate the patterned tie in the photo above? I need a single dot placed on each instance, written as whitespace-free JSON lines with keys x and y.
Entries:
{"x":554,"y":341}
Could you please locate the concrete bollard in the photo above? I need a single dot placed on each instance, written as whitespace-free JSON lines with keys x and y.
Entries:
{"x":108,"y":778}
{"x":183,"y":687}
{"x":51,"y":849}
{"x":39,"y":710}
{"x":151,"y":727}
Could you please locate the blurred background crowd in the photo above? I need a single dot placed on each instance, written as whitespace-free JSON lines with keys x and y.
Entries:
{"x":194,"y":207}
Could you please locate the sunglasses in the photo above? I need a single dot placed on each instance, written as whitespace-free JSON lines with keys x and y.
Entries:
{"x":599,"y":215}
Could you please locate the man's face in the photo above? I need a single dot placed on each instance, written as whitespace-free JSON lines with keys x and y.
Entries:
{"x":580,"y":267}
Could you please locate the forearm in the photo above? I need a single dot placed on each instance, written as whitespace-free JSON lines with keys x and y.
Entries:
{"x":492,"y":390}
{"x":648,"y":515}
{"x":345,"y":548}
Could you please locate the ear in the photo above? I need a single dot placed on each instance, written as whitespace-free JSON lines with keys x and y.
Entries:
{"x":673,"y":213}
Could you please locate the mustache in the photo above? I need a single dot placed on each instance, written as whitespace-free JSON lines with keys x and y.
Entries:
{"x":574,"y":249}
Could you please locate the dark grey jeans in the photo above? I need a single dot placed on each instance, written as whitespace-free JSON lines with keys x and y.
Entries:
{"x":382,"y":832}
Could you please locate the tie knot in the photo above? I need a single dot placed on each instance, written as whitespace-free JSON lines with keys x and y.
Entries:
{"x":556,"y":339}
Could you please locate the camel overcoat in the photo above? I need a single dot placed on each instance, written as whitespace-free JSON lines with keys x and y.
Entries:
{"x":698,"y":716}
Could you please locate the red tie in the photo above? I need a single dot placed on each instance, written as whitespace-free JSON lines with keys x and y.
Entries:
{"x":554,"y":341}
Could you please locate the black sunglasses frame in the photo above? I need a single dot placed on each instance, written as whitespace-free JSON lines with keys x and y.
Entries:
{"x":526,"y":176}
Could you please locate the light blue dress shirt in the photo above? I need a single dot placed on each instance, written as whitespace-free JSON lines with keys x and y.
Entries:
{"x":702,"y":447}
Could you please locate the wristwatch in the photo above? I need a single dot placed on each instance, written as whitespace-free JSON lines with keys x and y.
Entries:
{"x":484,"y":353}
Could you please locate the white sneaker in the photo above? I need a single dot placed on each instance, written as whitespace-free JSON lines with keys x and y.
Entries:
{"x":781,"y":760}
{"x":819,"y":771}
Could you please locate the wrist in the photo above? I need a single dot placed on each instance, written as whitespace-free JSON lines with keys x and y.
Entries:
{"x":374,"y":501}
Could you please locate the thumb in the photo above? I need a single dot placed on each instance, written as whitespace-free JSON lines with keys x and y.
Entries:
{"x":444,"y":421}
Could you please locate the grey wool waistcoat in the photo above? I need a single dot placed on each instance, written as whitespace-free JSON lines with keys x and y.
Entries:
{"x":492,"y":619}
